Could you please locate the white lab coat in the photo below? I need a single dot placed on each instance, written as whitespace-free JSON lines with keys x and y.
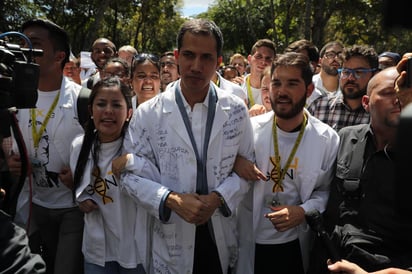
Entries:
{"x":231,"y":87}
{"x":317,"y":152}
{"x":157,"y":133}
{"x":65,"y":129}
{"x":94,"y":238}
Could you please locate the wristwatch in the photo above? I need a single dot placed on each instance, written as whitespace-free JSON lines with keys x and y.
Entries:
{"x":224,"y":209}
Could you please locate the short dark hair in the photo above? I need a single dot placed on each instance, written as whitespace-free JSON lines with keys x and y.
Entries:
{"x":364,"y":51}
{"x":263,"y":43}
{"x":329,"y":45}
{"x":57,"y":35}
{"x":201,"y":27}
{"x":167,"y":53}
{"x":121,"y":61}
{"x":294,"y":59}
{"x":303,"y":44}
{"x":229,"y":67}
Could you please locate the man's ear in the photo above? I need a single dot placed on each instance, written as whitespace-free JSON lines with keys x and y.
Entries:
{"x":309,"y":89}
{"x":60,"y":56}
{"x":249,"y":58}
{"x":365,"y":102}
{"x":176,"y":53}
{"x":219,"y":61}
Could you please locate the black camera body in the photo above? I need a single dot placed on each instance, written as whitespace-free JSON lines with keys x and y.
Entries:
{"x":19,"y":76}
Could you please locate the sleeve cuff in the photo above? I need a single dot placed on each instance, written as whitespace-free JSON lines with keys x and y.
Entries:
{"x":164,"y":212}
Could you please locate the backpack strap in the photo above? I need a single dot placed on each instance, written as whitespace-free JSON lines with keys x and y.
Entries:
{"x":90,"y":82}
{"x":82,"y":102}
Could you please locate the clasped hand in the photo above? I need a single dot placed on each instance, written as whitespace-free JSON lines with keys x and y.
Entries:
{"x":192,"y":207}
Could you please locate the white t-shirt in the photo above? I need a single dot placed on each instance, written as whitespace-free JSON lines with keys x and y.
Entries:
{"x":109,"y":231}
{"x":319,"y":90}
{"x":256,"y":92}
{"x":48,"y":190}
{"x":266,"y":233}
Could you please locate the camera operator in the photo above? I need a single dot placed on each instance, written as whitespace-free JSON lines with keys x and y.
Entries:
{"x":48,"y":130}
{"x":15,"y":254}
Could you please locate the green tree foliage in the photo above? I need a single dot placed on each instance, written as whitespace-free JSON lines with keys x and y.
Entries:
{"x":350,"y":21}
{"x":148,"y":25}
{"x":152,"y":25}
{"x":14,"y":12}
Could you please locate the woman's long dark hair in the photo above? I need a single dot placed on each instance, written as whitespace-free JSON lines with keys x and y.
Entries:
{"x":91,"y":141}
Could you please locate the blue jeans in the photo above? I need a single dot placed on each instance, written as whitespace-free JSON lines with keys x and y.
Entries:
{"x":111,"y":268}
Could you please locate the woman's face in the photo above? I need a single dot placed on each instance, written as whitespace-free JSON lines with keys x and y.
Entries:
{"x":145,"y":81}
{"x":115,"y":69}
{"x":109,"y":110}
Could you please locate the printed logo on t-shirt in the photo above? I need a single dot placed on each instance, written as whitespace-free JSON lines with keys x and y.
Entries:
{"x":102,"y":185}
{"x":43,"y":177}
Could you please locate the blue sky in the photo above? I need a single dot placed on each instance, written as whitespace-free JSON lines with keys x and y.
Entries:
{"x":194,"y":7}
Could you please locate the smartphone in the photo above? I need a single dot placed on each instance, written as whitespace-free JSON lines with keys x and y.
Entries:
{"x":409,"y":72}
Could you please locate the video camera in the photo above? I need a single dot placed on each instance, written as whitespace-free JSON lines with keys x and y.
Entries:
{"x":19,"y":75}
{"x":19,"y":78}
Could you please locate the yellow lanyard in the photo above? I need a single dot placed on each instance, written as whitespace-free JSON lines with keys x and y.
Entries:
{"x":217,"y":82}
{"x":37,"y":134}
{"x":278,"y":174}
{"x":249,"y":92}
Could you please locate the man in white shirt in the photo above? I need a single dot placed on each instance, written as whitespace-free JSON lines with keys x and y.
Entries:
{"x":192,"y":133}
{"x":262,"y":55}
{"x":296,"y":152}
{"x":327,"y":80}
{"x":48,"y":131}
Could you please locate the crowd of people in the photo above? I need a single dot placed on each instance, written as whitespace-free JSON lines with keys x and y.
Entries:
{"x":185,"y":165}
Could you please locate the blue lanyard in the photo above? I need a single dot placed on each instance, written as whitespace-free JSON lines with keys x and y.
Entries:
{"x":201,"y":177}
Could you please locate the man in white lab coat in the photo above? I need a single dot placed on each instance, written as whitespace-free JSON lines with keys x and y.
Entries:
{"x":192,"y":133}
{"x":296,"y":152}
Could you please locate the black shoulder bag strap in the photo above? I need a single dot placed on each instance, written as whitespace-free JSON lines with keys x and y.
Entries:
{"x":351,"y":182}
{"x":82,"y":102}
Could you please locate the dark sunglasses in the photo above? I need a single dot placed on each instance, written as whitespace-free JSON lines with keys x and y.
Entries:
{"x":141,"y":57}
{"x":145,"y":56}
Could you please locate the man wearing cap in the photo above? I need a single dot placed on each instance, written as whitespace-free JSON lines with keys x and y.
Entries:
{"x":388,"y":59}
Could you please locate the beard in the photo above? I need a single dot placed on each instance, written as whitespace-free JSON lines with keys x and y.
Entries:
{"x":353,"y":93}
{"x":296,"y":109}
{"x":330,"y":70}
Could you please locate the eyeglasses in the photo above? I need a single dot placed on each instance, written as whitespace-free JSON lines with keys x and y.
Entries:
{"x":333,"y":55}
{"x":357,"y":73}
{"x":107,"y":51}
{"x":167,"y":64}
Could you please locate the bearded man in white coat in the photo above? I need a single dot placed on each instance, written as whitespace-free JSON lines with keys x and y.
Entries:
{"x":296,"y":152}
{"x":192,"y":134}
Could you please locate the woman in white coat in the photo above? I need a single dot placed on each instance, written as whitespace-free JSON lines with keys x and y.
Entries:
{"x":109,"y":242}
